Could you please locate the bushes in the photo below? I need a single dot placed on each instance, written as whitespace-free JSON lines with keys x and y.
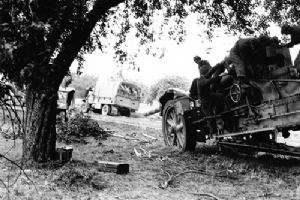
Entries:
{"x":163,"y":84}
{"x":78,"y":127}
{"x":74,"y":178}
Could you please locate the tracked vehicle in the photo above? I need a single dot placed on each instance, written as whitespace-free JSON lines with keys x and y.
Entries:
{"x":255,"y":119}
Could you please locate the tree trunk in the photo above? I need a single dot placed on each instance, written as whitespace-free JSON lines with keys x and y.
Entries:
{"x":40,"y":120}
{"x":40,"y":136}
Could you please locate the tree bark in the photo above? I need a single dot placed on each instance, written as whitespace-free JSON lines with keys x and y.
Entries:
{"x":40,"y":133}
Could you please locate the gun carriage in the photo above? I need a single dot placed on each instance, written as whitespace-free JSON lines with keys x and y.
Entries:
{"x":255,"y":118}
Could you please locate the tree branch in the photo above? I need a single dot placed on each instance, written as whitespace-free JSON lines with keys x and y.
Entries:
{"x":171,"y":178}
{"x":18,"y":166}
{"x":73,"y":43}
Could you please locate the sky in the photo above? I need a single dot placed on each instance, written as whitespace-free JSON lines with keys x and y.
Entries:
{"x":178,"y":59}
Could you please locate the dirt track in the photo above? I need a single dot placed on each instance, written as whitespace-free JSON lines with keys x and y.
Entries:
{"x":142,"y":122}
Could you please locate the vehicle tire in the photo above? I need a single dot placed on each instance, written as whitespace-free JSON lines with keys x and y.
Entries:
{"x":128,"y":113}
{"x":177,"y":131}
{"x":106,"y":110}
{"x":85,"y":108}
{"x":124,"y":112}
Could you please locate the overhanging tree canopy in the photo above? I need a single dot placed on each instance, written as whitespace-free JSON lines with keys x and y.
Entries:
{"x":39,"y":39}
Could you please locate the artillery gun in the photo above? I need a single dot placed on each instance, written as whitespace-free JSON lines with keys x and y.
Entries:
{"x":255,"y":117}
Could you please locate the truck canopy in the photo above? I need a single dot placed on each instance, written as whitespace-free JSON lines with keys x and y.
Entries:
{"x":112,"y":88}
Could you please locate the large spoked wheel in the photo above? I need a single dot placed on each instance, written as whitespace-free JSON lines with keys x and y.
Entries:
{"x":176,"y":130}
{"x":106,"y":110}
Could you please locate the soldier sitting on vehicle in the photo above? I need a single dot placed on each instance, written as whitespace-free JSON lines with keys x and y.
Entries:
{"x":227,"y":77}
{"x":249,"y":57}
{"x":197,"y":60}
{"x":211,"y":101}
{"x":219,"y":69}
{"x":194,"y":93}
{"x":294,"y":32}
{"x":201,"y":88}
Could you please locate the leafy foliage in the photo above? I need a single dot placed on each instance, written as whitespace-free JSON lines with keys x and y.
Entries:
{"x":38,"y":37}
{"x":161,"y":85}
{"x":34,"y":33}
{"x":151,"y":20}
{"x":282,"y":11}
{"x":77,"y":128}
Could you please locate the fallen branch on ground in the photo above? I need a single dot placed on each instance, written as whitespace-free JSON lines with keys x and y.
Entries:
{"x":149,"y":154}
{"x":207,"y":195}
{"x":268,"y":195}
{"x":171,"y":178}
{"x":109,"y":131}
{"x":138,"y":154}
{"x":124,"y":137}
{"x":128,"y":138}
{"x":146,"y":153}
{"x":149,"y":136}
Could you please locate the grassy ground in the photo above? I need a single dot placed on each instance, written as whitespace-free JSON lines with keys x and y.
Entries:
{"x":225,"y":176}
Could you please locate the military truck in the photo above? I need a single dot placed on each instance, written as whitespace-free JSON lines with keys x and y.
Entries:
{"x":113,"y":96}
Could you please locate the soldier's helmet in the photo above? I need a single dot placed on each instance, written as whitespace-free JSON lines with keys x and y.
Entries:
{"x":197,"y":59}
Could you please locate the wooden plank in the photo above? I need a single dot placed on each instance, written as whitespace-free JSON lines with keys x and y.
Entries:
{"x":119,"y":168}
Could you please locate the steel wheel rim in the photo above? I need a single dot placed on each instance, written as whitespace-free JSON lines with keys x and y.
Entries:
{"x":235,"y":93}
{"x":180,"y":132}
{"x":105,"y":109}
{"x":174,"y":129}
